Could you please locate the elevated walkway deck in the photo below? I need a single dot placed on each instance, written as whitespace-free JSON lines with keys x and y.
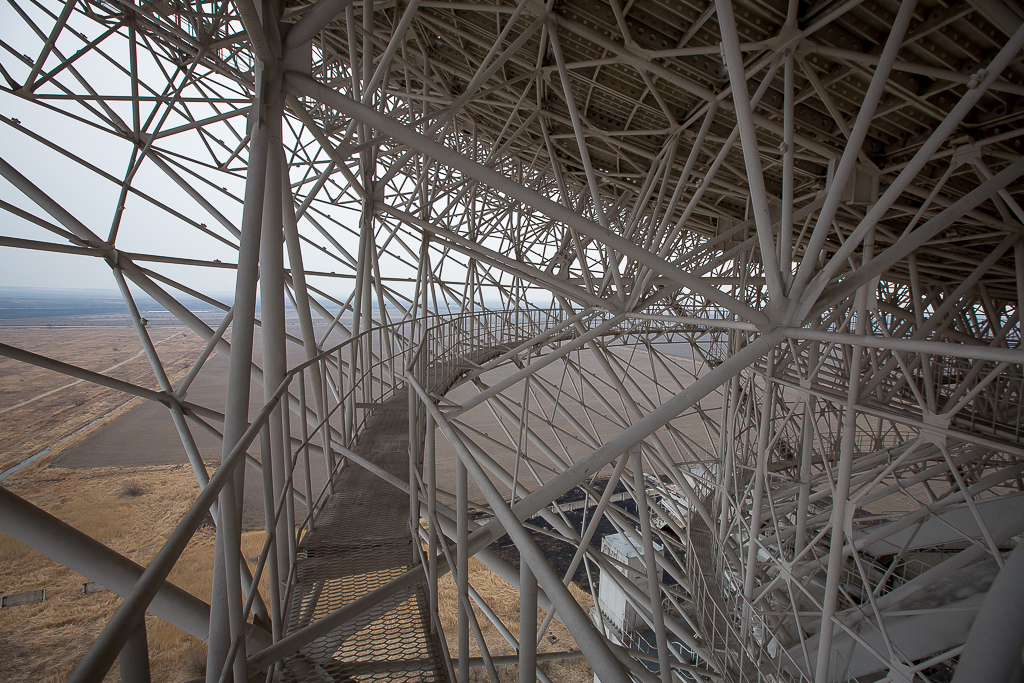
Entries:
{"x":361,"y":541}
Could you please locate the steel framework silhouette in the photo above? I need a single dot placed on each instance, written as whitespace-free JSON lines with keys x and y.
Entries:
{"x":755,"y":266}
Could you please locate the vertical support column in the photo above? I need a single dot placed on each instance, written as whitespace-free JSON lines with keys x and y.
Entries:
{"x":275,"y":363}
{"x":273,"y":577}
{"x":134,"y":658}
{"x":727,"y":445}
{"x":788,"y":161}
{"x":226,"y":620}
{"x":323,"y":370}
{"x":462,"y":560}
{"x":430,"y":473}
{"x":368,"y":162}
{"x":1018,"y":260}
{"x":415,"y":342}
{"x":760,"y":469}
{"x":808,"y":431}
{"x":429,"y":451}
{"x":806,"y":455}
{"x":288,"y":540}
{"x":362,"y":265}
{"x":748,"y":143}
{"x":361,"y":362}
{"x":415,"y":442}
{"x":651,"y":564}
{"x":366,"y":294}
{"x":304,"y":435}
{"x":527,"y":623}
{"x":842,"y":494}
{"x":302,"y":307}
{"x":415,"y":451}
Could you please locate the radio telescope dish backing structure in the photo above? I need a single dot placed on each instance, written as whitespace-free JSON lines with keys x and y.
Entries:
{"x":740,"y":282}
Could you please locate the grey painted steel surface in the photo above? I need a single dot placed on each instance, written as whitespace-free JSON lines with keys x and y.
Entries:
{"x":765,"y":256}
{"x":48,"y":535}
{"x":992,"y":651}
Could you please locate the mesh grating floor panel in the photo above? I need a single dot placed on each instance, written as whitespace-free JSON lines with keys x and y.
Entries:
{"x":361,"y":542}
{"x":392,"y":641}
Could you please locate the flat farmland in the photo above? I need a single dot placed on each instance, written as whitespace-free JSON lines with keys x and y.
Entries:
{"x":40,"y":407}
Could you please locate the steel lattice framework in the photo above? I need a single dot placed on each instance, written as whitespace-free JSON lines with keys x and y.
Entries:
{"x":521,"y":212}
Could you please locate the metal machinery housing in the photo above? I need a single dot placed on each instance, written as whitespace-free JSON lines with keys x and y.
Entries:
{"x":754,"y":267}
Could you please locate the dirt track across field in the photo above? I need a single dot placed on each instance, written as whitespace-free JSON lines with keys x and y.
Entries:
{"x":147,"y":436}
{"x":41,"y":407}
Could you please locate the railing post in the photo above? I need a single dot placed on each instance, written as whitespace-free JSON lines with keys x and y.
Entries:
{"x":269,"y":499}
{"x":289,"y":490}
{"x":304,"y":432}
{"x":325,"y":393}
{"x":346,"y":395}
{"x":462,"y":560}
{"x":430,"y":472}
{"x":414,"y":368}
{"x":226,"y":596}
{"x":527,"y":623}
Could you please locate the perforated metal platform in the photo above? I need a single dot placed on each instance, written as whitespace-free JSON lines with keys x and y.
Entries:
{"x":361,"y":541}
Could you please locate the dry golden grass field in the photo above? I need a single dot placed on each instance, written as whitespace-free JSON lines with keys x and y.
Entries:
{"x":503,"y":599}
{"x":40,"y":407}
{"x":130,"y":510}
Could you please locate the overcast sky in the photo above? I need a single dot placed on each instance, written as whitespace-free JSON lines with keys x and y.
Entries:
{"x":91,"y":198}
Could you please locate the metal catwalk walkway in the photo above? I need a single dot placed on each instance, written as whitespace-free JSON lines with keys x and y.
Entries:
{"x":711,"y":612}
{"x":720,"y":635}
{"x":361,"y":542}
